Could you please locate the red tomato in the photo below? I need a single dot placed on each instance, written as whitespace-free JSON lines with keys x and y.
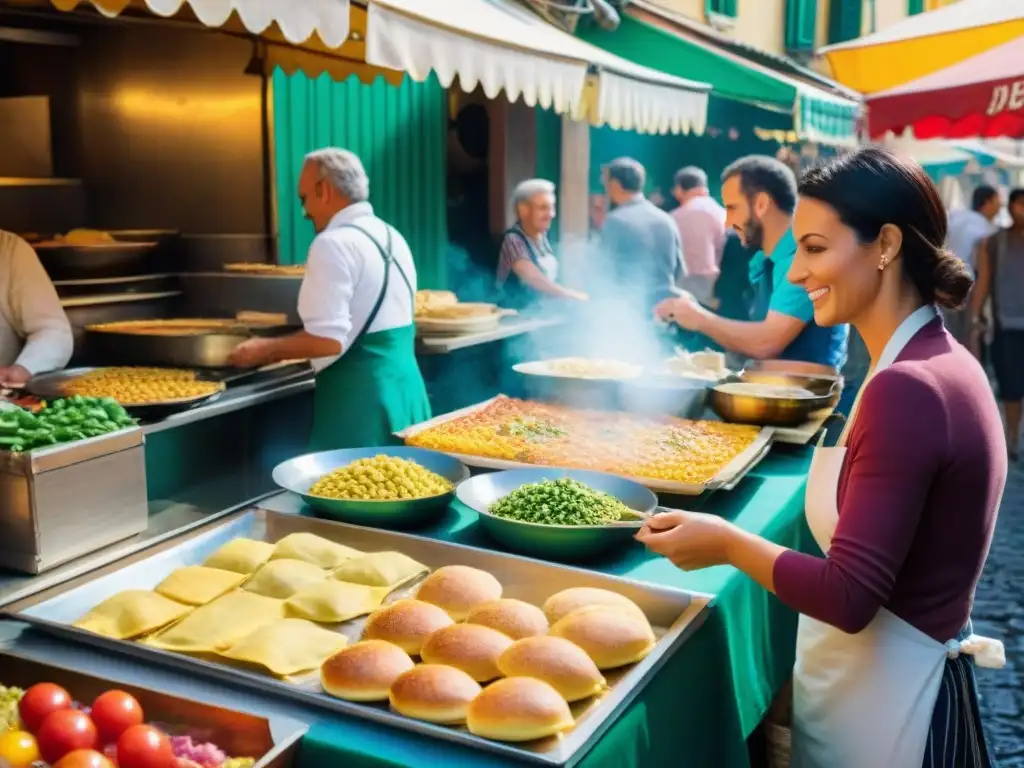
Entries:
{"x":65,"y":731}
{"x":39,"y":701}
{"x":143,"y":746}
{"x":83,"y":758}
{"x":114,"y":712}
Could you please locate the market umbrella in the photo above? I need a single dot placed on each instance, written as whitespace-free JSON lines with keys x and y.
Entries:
{"x":980,"y":97}
{"x":925,"y":43}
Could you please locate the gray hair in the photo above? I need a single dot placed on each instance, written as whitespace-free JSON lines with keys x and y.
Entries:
{"x":526,"y":190}
{"x":343,"y":170}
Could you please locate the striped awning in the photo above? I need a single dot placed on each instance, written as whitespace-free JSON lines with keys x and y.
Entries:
{"x":297,"y":20}
{"x":503,"y":47}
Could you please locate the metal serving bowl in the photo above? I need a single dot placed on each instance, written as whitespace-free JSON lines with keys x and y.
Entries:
{"x":299,"y":474}
{"x":776,"y":411}
{"x":555,"y":542}
{"x":679,"y":396}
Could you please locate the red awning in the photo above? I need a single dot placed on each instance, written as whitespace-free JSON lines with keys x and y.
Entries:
{"x":980,"y":97}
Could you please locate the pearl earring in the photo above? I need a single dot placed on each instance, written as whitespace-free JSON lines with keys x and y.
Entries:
{"x":881,"y":264}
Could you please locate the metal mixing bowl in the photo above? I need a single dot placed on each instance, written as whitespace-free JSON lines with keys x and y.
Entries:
{"x":299,"y":474}
{"x":776,"y":411}
{"x":679,"y":396}
{"x":555,"y":542}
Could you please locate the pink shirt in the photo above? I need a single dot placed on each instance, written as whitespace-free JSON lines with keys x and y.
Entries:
{"x":701,"y":223}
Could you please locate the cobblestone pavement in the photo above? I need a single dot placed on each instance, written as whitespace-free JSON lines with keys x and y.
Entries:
{"x":999,"y":612}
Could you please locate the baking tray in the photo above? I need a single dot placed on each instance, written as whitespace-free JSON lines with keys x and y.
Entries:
{"x":50,"y":386}
{"x":674,"y":614}
{"x":203,"y":350}
{"x":726,"y":479}
{"x":237,"y":733}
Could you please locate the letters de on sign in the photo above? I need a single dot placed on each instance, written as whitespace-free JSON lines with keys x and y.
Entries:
{"x":1008,"y":97}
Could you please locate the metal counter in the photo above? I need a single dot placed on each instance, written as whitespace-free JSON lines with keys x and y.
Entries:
{"x":510,"y":327}
{"x":246,"y":395}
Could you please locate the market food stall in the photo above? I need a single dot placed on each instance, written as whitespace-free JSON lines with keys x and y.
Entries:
{"x":717,"y":646}
{"x":237,"y":595}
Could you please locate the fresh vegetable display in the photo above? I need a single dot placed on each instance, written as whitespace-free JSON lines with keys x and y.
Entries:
{"x":44,"y":727}
{"x":561,"y":502}
{"x":61,"y":421}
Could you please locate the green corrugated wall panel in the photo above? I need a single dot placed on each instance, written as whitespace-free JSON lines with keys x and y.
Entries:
{"x":548,"y":163}
{"x":400,"y":134}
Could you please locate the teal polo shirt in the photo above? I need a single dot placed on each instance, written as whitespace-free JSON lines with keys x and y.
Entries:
{"x":768,"y":275}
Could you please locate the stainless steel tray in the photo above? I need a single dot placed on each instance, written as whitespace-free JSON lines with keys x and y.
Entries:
{"x":675,"y":616}
{"x":726,"y":479}
{"x":237,"y":733}
{"x":50,"y":386}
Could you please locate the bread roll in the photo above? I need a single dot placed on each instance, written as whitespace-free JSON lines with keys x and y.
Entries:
{"x":518,"y":709}
{"x":470,"y":647}
{"x":611,"y":636}
{"x":459,"y":589}
{"x":406,"y":623}
{"x":562,"y":664}
{"x":511,"y":617}
{"x":435,"y":693}
{"x":568,"y":600}
{"x":364,"y":671}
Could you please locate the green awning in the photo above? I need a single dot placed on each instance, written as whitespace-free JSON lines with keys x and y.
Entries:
{"x":814,"y":113}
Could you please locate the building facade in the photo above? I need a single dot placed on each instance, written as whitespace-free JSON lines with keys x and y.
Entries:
{"x":798,"y":27}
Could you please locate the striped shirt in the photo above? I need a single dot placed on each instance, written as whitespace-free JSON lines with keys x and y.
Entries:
{"x":514,"y":248}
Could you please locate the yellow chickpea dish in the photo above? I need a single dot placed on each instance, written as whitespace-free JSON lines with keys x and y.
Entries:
{"x":381,"y":478}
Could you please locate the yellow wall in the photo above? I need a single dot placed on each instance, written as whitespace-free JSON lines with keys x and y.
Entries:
{"x":761,"y":23}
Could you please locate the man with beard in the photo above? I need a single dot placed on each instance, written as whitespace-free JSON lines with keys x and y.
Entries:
{"x":356,"y":303}
{"x":759,"y":194}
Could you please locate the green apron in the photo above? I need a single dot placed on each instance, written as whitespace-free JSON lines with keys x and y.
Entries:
{"x":375,"y":389}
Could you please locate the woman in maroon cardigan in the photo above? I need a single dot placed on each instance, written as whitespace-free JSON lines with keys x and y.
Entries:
{"x":904,"y":505}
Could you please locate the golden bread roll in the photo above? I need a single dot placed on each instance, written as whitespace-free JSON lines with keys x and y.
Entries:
{"x":510,"y":617}
{"x":406,"y":623}
{"x":459,"y":589}
{"x":563,"y":603}
{"x":560,"y":663}
{"x":364,"y":671}
{"x":611,"y":636}
{"x":435,"y":693}
{"x":470,"y":647}
{"x":518,"y":709}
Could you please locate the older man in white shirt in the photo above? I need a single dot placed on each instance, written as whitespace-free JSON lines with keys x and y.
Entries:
{"x":35,"y":335}
{"x":356,"y":304}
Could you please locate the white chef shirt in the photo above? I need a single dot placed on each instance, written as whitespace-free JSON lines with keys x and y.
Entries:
{"x":344,"y":274}
{"x":966,"y":230}
{"x":34,"y":331}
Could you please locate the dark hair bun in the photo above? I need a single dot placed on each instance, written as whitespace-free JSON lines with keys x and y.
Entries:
{"x":951,"y":279}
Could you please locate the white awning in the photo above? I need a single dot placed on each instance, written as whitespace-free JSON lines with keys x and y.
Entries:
{"x":501,"y":46}
{"x":297,"y":19}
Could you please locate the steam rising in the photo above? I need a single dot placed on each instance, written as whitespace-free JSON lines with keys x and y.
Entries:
{"x":616,"y":324}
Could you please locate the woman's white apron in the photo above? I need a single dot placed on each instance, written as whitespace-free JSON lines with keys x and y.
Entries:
{"x":866,"y":700}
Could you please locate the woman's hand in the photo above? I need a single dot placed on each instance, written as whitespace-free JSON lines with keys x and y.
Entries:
{"x":691,"y":540}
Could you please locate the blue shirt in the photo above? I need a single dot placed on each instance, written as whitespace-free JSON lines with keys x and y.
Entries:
{"x":815,"y":344}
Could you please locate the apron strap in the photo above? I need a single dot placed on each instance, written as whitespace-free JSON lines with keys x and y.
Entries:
{"x":385,"y":253}
{"x":530,"y":251}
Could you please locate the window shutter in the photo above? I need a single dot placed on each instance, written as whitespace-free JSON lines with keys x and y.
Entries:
{"x":801,"y":19}
{"x":723,"y":7}
{"x":844,"y":20}
{"x":914,"y":7}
